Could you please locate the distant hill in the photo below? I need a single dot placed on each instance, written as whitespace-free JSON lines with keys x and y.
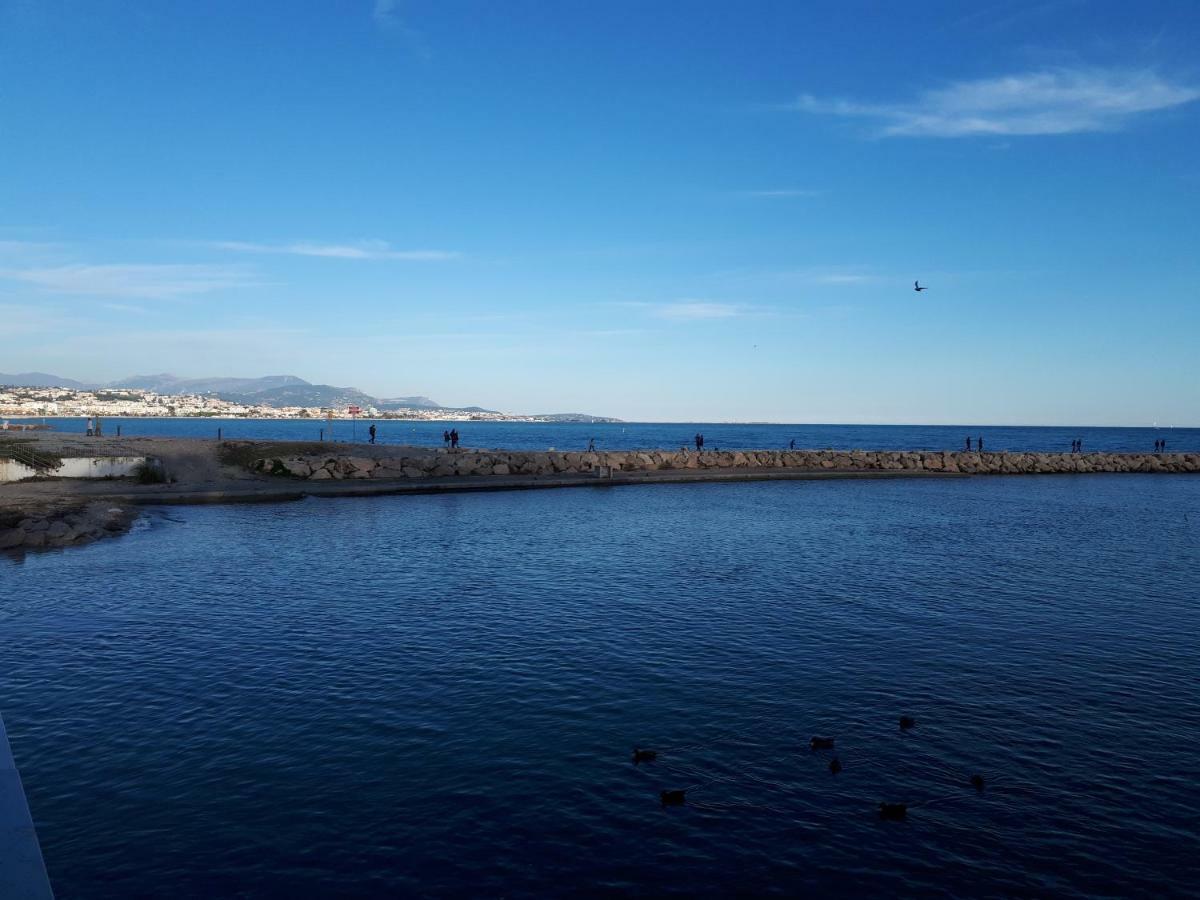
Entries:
{"x":390,"y":403}
{"x":304,"y":394}
{"x":170,"y":384}
{"x":41,"y":379}
{"x":577,"y":417}
{"x":270,"y":390}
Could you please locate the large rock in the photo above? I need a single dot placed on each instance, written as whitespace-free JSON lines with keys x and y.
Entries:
{"x":11,"y":537}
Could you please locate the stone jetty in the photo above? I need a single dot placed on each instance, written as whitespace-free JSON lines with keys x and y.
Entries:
{"x":425,"y":464}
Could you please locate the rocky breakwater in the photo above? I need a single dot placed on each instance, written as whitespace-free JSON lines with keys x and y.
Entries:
{"x":425,"y":464}
{"x":61,"y":527}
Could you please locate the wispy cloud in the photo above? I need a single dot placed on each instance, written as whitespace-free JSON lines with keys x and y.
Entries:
{"x":147,"y":282}
{"x":697,"y":310}
{"x":386,"y":13}
{"x":389,"y":17}
{"x":27,"y":320}
{"x":360,"y":250}
{"x":1060,"y":101}
{"x":779,"y":193}
{"x":26,"y":250}
{"x":824,"y":276}
{"x":845,"y":278}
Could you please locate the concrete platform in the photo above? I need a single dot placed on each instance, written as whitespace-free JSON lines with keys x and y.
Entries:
{"x":22,"y":871}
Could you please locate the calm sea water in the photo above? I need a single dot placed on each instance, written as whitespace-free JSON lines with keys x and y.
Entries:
{"x":641,"y":435}
{"x":438,"y":696}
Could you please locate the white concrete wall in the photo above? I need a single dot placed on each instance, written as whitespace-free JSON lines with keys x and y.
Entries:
{"x":75,"y":467}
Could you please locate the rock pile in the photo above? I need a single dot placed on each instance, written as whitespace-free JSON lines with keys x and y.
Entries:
{"x":63,"y":527}
{"x":503,"y":462}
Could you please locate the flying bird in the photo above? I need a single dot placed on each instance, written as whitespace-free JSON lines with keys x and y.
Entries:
{"x":917,"y":286}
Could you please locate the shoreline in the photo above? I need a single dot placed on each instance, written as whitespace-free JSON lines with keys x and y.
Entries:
{"x":972,"y":428}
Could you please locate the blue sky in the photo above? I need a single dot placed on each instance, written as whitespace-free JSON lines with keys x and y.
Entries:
{"x":659,"y":211}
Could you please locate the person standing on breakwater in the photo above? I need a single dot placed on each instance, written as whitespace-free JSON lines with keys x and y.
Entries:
{"x":968,"y":445}
{"x":89,"y":426}
{"x":371,"y":431}
{"x":446,"y":437}
{"x":792,"y":444}
{"x":454,"y":439}
{"x":979,"y":443}
{"x":591,"y":445}
{"x":698,"y":442}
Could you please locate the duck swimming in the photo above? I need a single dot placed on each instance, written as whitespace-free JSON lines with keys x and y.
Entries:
{"x":641,"y":756}
{"x":672,"y":798}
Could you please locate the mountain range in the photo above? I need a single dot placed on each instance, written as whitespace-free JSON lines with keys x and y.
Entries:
{"x":270,"y":390}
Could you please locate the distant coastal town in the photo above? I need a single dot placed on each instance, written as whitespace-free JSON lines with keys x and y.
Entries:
{"x":33,"y":402}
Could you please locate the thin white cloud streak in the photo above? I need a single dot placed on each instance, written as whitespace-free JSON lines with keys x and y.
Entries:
{"x":848,"y":276}
{"x":363,"y":250}
{"x":386,"y":13}
{"x":1060,"y":101}
{"x":147,"y":282}
{"x":692,"y":310}
{"x":17,"y":319}
{"x":782,"y":192}
{"x":845,"y":279}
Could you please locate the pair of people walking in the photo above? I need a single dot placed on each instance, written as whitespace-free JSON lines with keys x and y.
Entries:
{"x":1077,"y":446}
{"x":979,"y":444}
{"x":450,"y":438}
{"x":1160,"y":446}
{"x":699,"y":442}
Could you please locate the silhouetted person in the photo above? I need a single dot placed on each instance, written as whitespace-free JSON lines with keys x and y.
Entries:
{"x":454,"y":439}
{"x":699,"y":442}
{"x":591,"y":445}
{"x":446,"y":437}
{"x":1079,"y":446}
{"x":371,"y":432}
{"x":792,"y":444}
{"x":968,"y":445}
{"x":979,"y":443}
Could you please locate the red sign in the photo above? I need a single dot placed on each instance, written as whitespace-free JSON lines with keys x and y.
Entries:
{"x":354,"y":410}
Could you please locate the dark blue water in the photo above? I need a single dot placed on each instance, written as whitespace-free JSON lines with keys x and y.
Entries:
{"x":642,"y":435}
{"x":438,"y":696}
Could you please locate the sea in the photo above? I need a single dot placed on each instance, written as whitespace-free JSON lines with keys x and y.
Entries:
{"x":650,"y":435}
{"x":439,"y":696}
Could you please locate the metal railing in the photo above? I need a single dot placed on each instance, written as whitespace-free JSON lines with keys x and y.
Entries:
{"x":28,"y":457}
